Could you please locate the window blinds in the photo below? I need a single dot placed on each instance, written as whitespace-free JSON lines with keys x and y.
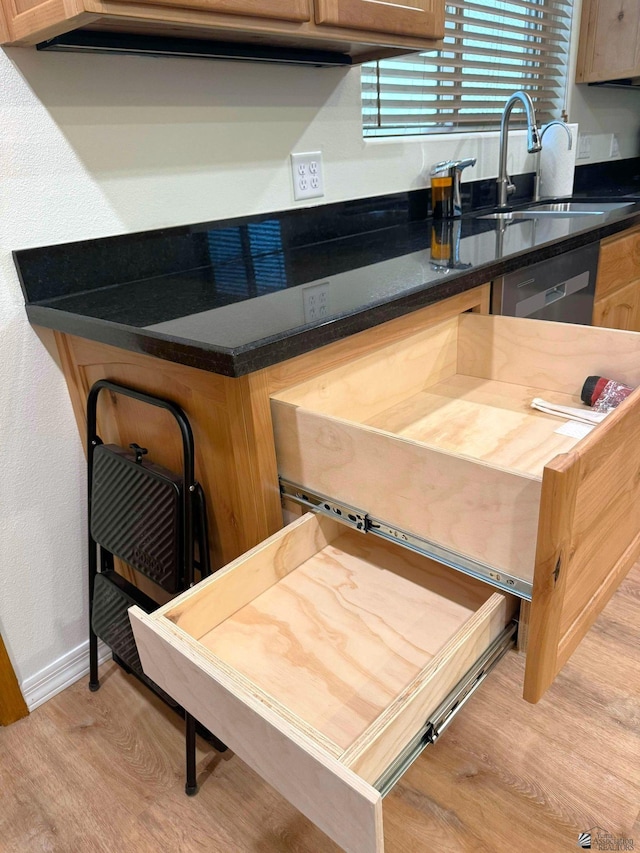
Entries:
{"x":491,"y":49}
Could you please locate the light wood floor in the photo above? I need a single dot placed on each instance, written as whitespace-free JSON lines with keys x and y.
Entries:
{"x":103,"y":772}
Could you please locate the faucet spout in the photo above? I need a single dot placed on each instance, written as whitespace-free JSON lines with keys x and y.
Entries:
{"x":534,"y":143}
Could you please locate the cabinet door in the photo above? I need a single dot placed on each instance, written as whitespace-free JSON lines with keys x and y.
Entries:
{"x":619,"y":310}
{"x":609,"y":47}
{"x":283,"y":10}
{"x":417,"y":18}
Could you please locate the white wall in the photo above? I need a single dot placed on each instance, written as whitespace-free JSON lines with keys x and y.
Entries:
{"x":98,"y":145}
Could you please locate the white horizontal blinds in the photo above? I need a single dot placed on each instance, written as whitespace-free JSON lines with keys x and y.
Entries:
{"x":491,"y":49}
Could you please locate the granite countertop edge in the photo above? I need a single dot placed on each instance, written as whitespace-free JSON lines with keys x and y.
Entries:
{"x":266,"y":352}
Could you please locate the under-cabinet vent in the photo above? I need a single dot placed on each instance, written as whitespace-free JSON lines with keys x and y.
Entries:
{"x":104,"y":42}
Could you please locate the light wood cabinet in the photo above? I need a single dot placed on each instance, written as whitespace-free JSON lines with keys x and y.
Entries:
{"x":284,"y":10}
{"x":609,"y":46}
{"x":357,"y":29}
{"x":409,"y":17}
{"x":617,"y":296}
{"x":325,"y":656}
{"x":319,"y":655}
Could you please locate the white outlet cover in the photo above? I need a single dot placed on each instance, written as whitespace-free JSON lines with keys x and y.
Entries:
{"x":307,"y":175}
{"x":614,"y":150}
{"x":584,"y":146}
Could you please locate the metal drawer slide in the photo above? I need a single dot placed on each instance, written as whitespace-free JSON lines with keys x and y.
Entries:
{"x":445,"y":713}
{"x":359,"y":519}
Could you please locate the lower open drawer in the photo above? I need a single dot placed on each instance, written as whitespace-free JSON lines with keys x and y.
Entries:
{"x":318,"y":657}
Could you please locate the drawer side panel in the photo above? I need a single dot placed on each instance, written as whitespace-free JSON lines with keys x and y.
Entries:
{"x":333,"y":797}
{"x":372,"y":753}
{"x":480,"y":511}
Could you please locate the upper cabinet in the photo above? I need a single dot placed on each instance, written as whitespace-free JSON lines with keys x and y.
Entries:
{"x":609,"y":47}
{"x":411,"y":17}
{"x":282,"y":10}
{"x":358,"y":30}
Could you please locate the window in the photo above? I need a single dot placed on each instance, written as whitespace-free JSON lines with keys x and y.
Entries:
{"x":491,"y":49}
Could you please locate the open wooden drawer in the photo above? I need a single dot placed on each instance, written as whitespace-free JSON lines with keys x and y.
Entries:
{"x":319,"y":657}
{"x":432,"y":440}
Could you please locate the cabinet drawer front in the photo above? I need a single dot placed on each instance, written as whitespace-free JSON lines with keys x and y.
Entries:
{"x":416,"y":18}
{"x":619,"y":263}
{"x":435,"y":436}
{"x":289,"y":10}
{"x":318,"y":657}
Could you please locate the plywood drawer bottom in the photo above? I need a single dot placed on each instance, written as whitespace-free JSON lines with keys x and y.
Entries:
{"x":318,"y":657}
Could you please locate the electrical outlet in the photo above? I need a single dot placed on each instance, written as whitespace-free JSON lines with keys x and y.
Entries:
{"x":614,"y":150}
{"x":308,"y":180}
{"x":315,"y":301}
{"x":584,"y":146}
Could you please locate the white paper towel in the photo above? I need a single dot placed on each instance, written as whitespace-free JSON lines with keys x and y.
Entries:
{"x":557,"y":163}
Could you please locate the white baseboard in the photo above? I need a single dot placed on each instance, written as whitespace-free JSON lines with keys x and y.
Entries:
{"x":60,"y":674}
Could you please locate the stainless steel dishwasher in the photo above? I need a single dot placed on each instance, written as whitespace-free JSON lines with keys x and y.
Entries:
{"x":561,"y":288}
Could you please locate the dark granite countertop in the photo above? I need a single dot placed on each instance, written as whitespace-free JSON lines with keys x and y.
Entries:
{"x":235,"y":296}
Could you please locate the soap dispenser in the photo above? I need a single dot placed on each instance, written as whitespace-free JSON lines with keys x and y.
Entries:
{"x":445,"y":187}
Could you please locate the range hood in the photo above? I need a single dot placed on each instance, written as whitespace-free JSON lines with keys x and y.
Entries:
{"x":91,"y":41}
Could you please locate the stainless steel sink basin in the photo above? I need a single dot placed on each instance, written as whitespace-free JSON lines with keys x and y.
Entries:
{"x":560,"y":210}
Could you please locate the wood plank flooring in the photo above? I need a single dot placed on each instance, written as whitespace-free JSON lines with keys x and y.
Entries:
{"x":104,"y":771}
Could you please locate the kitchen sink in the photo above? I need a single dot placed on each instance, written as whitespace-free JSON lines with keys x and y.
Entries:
{"x":559,"y":210}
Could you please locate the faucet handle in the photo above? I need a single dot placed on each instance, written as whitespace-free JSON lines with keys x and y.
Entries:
{"x":464,"y":164}
{"x":451,"y":165}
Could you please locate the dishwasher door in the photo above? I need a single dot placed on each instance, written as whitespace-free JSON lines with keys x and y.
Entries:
{"x":560,"y":289}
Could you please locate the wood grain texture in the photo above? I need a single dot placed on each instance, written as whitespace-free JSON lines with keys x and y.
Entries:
{"x":285,"y":10}
{"x":549,"y":356}
{"x":366,"y":387}
{"x":589,"y":537}
{"x":609,"y":47}
{"x":620,"y":309}
{"x":422,"y":18}
{"x":345,"y":636}
{"x":484,"y":419}
{"x":619,"y":262}
{"x":43,"y":21}
{"x":350,"y":650}
{"x":12,"y":705}
{"x":333,"y":797}
{"x":505,"y":776}
{"x":287,"y":25}
{"x":372,"y":753}
{"x":417,"y":488}
{"x":297,"y":370}
{"x":215,"y":599}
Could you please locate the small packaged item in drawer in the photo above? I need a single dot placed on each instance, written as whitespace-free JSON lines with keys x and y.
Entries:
{"x":603,"y":394}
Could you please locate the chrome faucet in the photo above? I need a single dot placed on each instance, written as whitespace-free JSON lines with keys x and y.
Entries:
{"x":536,"y":180}
{"x":505,"y":187}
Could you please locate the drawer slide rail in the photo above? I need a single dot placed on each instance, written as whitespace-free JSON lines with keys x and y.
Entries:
{"x":447,"y":710}
{"x":358,"y":519}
